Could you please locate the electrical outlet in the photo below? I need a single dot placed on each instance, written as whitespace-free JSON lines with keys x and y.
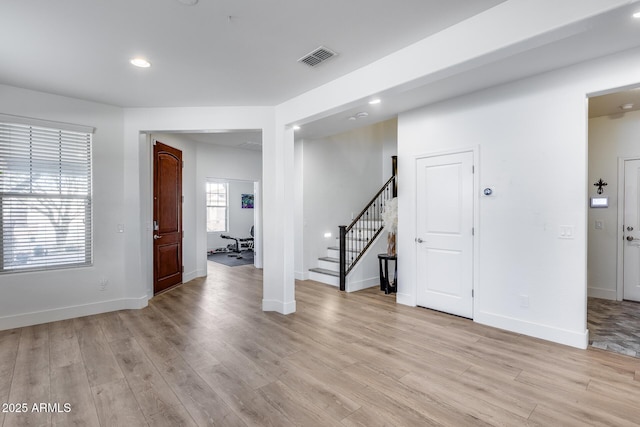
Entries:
{"x":599,"y":225}
{"x":103,"y":284}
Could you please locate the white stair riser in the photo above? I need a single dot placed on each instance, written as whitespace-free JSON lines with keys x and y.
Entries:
{"x":333,"y":266}
{"x":324,"y":278}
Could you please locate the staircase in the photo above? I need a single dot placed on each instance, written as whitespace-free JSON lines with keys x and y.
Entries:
{"x":352,"y":264}
{"x":328,"y":267}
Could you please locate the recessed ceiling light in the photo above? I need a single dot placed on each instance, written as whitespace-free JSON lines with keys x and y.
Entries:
{"x":188,"y":2}
{"x":296,"y":127}
{"x":628,"y":106}
{"x":140,"y":62}
{"x":636,"y":15}
{"x":375,"y":101}
{"x":361,"y":114}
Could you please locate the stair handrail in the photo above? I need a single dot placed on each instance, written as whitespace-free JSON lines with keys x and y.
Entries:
{"x":386,"y":193}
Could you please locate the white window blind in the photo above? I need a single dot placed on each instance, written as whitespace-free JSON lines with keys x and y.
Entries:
{"x":45,"y":196}
{"x":217,"y":205}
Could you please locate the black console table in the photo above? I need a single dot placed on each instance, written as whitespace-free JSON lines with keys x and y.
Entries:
{"x":386,"y":285}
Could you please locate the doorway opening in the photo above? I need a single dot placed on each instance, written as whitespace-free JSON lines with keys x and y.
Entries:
{"x":236,"y":155}
{"x":231,"y":218}
{"x":613,"y":233}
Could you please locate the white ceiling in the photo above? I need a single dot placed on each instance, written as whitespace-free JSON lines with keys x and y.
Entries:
{"x":611,"y":103}
{"x":239,"y":52}
{"x":606,"y":34}
{"x":216,"y":53}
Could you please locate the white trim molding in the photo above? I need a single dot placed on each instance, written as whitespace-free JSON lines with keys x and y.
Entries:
{"x":54,"y":315}
{"x":279,"y":306}
{"x":537,"y":330}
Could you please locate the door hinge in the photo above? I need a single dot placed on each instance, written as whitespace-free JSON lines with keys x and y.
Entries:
{"x":473,"y":231}
{"x":472,"y":293}
{"x":183,"y":268}
{"x":183,"y":234}
{"x":473,"y":169}
{"x":182,"y":199}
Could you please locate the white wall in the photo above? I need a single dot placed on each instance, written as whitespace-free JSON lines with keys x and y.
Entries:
{"x":29,"y":298}
{"x":532,"y":141}
{"x":341,"y":174}
{"x":299,"y":260}
{"x":389,"y":149}
{"x":610,"y":138}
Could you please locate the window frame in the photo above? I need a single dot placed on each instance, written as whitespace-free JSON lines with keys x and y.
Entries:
{"x":225,"y":205}
{"x":45,"y":195}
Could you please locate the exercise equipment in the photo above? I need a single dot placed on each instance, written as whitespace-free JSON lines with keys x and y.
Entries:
{"x":241,"y":244}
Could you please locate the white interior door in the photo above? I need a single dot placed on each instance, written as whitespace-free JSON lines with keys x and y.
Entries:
{"x":631,"y":244}
{"x":444,"y":242}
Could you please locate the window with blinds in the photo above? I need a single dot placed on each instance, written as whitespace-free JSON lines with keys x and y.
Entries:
{"x":45,"y":196}
{"x":217,"y":206}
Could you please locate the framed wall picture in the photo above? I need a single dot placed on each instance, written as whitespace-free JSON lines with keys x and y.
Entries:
{"x":247,"y":201}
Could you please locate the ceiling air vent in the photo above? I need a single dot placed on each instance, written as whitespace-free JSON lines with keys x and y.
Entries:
{"x":317,"y":57}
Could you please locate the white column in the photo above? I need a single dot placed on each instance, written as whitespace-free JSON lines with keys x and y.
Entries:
{"x":278,"y":213}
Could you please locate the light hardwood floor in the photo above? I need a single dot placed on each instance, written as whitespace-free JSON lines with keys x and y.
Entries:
{"x":205,"y":354}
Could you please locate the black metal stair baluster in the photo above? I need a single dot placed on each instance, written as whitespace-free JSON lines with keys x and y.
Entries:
{"x":342,"y":254}
{"x":356,"y":238}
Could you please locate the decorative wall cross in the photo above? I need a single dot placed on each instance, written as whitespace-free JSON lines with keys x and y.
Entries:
{"x":600,"y":184}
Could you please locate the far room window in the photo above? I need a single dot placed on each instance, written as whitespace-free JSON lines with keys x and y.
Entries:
{"x":45,"y":195}
{"x":217,"y":206}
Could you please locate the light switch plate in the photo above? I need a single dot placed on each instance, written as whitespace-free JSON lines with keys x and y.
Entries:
{"x":566,"y":232}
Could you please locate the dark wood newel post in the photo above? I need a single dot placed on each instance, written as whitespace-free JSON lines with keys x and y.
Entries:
{"x":394,"y":172}
{"x":343,"y":256}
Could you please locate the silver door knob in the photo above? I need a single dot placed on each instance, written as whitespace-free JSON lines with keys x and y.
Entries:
{"x":156,"y":237}
{"x":629,"y":228}
{"x":630,"y":238}
{"x":419,"y":240}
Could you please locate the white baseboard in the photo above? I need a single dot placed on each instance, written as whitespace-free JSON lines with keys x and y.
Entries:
{"x":46,"y":316}
{"x":602,"y":293}
{"x":187,"y":277}
{"x":279,"y":306}
{"x":362,"y":284}
{"x":301,"y":275}
{"x":405,"y":299}
{"x":549,"y":333}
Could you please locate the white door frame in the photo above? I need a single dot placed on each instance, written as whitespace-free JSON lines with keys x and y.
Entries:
{"x":476,"y":211}
{"x":619,"y":240}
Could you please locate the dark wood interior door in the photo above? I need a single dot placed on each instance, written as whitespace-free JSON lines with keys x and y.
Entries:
{"x":167,"y":216}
